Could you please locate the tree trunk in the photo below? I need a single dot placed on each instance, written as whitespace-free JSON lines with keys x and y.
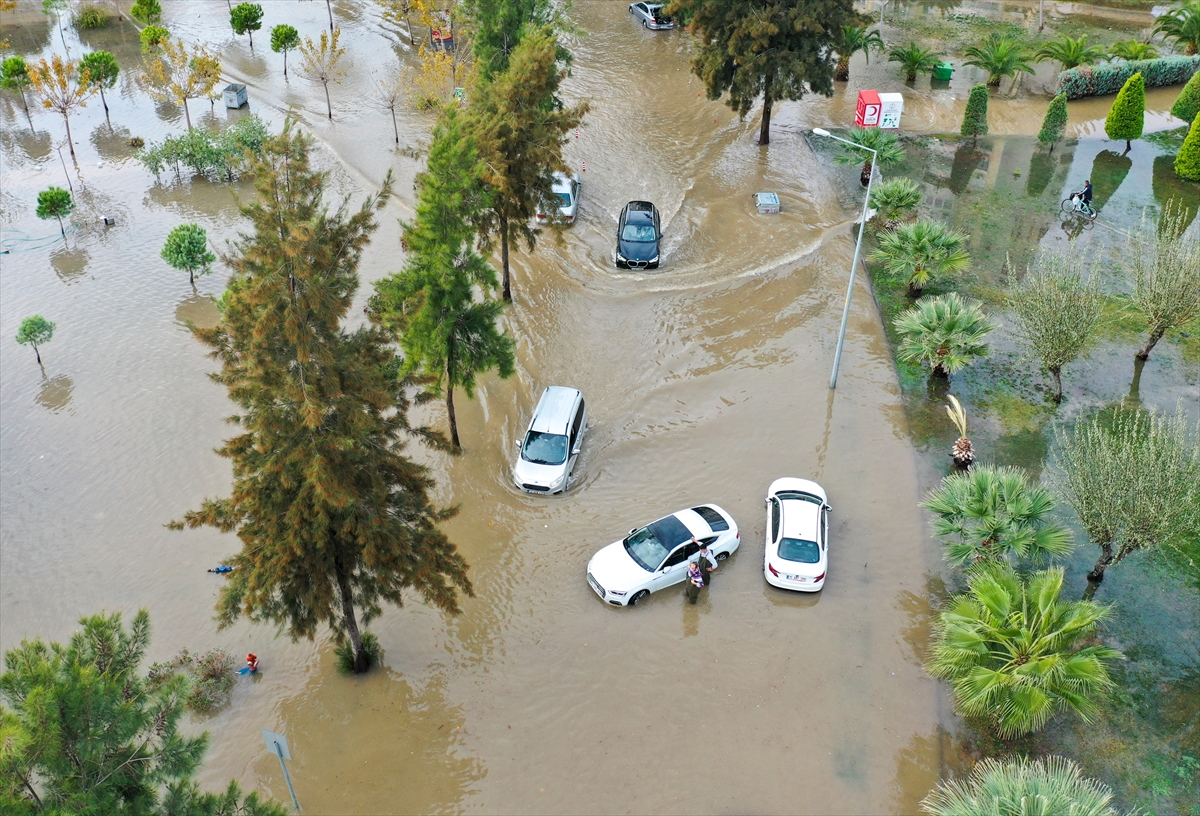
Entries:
{"x":453,"y":420}
{"x":187,"y":114}
{"x":1057,"y":372}
{"x":407,"y":22}
{"x":25,"y":104}
{"x":329,"y":8}
{"x":1135,"y":396}
{"x":71,"y":143}
{"x":914,"y":291}
{"x":1155,"y":336}
{"x":764,"y":132}
{"x":939,"y":370}
{"x":328,"y":104}
{"x":395,"y":129}
{"x":1096,"y":576}
{"x":37,"y":353}
{"x":864,"y":178}
{"x":506,"y":287}
{"x":61,"y":228}
{"x":251,"y":33}
{"x":1128,"y":146}
{"x":285,"y":63}
{"x":842,"y":73}
{"x":343,"y":580}
{"x":994,"y":81}
{"x":104,"y":102}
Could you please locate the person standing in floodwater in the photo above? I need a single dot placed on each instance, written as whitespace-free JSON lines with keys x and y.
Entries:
{"x":707,"y":562}
{"x":695,"y":582}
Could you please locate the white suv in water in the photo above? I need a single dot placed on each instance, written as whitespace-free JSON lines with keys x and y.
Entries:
{"x":552,"y":442}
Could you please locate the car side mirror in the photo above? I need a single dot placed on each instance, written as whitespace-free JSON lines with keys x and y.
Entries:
{"x":517,"y":442}
{"x":828,"y":509}
{"x":634,"y":530}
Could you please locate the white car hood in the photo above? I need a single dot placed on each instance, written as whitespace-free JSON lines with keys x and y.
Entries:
{"x":527,"y":472}
{"x":614,"y":569}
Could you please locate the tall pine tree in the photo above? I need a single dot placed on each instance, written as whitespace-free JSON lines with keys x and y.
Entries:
{"x":497,"y":28}
{"x":521,"y":128}
{"x":447,"y":335}
{"x":333,"y":518}
{"x":776,"y":49}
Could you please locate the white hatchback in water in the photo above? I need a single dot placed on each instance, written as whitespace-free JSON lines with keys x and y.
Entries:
{"x":797,"y":535}
{"x":552,"y":443}
{"x":656,"y":556}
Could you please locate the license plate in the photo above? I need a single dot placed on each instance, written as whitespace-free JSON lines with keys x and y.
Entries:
{"x":799,"y":578}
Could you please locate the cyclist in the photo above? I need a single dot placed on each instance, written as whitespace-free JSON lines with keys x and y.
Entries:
{"x":1086,"y":195}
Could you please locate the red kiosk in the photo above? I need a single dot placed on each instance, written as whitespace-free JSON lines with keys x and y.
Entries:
{"x":868,"y":110}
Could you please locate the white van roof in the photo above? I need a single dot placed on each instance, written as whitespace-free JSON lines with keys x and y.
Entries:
{"x":554,"y":409}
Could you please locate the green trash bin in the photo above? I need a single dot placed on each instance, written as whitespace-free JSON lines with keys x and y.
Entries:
{"x":943,"y":71}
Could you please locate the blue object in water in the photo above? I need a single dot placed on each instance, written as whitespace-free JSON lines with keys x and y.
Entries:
{"x":222,"y":568}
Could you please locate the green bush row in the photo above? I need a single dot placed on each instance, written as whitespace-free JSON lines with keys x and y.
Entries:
{"x":1098,"y":80}
{"x":213,"y":155}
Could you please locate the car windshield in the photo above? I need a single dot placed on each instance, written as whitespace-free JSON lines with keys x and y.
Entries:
{"x":638,"y":233}
{"x":544,"y":448}
{"x":794,"y":549}
{"x":564,"y":199}
{"x":651,"y":544}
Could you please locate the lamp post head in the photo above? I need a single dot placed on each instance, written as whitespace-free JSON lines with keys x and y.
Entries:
{"x":820,"y":131}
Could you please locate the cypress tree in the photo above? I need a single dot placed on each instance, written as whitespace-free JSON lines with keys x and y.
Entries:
{"x":1055,"y":122}
{"x":333,"y":519}
{"x":1187,"y":163}
{"x":1188,"y":104}
{"x":521,"y":128}
{"x":448,"y":337}
{"x":1127,"y":114}
{"x":975,"y":122}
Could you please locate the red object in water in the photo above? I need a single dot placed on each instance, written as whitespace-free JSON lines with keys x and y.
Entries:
{"x":868,"y":110}
{"x":252,"y":662}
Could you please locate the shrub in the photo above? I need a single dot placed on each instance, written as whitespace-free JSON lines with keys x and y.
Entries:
{"x":1055,"y":122}
{"x":147,"y":11}
{"x":344,"y":653}
{"x":1127,"y":116}
{"x":975,"y":122}
{"x":1188,"y":104}
{"x":152,"y":36}
{"x":91,"y":17}
{"x":212,"y":155}
{"x":210,"y":678}
{"x":1099,"y":80}
{"x":1187,"y":163}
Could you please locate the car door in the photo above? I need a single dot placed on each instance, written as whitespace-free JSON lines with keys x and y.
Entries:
{"x":640,"y":10}
{"x":575,"y":438}
{"x":674,"y":568}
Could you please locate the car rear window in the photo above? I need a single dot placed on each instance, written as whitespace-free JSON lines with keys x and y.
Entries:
{"x":795,"y":549}
{"x":715,"y":520}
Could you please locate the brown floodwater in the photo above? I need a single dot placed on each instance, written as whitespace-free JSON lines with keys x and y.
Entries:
{"x":705,"y":380}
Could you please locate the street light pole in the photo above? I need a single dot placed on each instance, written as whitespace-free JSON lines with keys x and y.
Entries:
{"x":862,"y":223}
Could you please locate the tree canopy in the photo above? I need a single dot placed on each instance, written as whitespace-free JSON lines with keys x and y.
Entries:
{"x":334,"y":520}
{"x":246,"y":18}
{"x":774,"y":49}
{"x":187,"y":249}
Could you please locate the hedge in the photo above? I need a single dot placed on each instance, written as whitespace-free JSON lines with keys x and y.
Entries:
{"x":1099,"y":80}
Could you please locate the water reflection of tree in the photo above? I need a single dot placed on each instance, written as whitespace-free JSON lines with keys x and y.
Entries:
{"x":1170,"y":188}
{"x":111,"y":143}
{"x":919,"y":765}
{"x":36,"y":146}
{"x":1041,"y":170}
{"x":29,"y":39}
{"x":55,"y":393}
{"x":70,"y":263}
{"x":1109,"y":169}
{"x":966,"y":161}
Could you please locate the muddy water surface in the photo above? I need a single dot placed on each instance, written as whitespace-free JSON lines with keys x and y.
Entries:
{"x":705,"y":380}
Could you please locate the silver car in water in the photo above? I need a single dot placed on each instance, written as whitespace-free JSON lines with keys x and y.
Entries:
{"x":652,"y":16}
{"x":552,"y":442}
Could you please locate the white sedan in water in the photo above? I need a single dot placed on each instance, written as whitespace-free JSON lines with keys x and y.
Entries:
{"x":797,"y":554}
{"x":656,"y":556}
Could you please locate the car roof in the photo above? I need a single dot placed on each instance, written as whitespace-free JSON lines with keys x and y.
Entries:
{"x":800,"y":517}
{"x":553,"y":410}
{"x":643,"y":206}
{"x":561,"y":183}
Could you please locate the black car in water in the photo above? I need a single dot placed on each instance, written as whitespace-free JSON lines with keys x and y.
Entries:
{"x":638,"y":236}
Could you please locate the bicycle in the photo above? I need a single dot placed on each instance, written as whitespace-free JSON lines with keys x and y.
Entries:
{"x":1075,"y":204}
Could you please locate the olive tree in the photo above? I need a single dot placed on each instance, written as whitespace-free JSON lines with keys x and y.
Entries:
{"x":1164,"y":265}
{"x":55,"y":202}
{"x":187,"y":249}
{"x":1133,"y":479}
{"x":35,"y":331}
{"x":1056,"y":310}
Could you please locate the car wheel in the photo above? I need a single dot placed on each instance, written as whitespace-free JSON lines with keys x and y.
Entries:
{"x":638,"y":597}
{"x":722,"y":556}
{"x":644,"y":24}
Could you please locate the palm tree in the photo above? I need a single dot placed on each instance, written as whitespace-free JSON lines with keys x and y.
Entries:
{"x":854,"y":39}
{"x":885,"y":143}
{"x":946,"y":332}
{"x":1012,"y":653}
{"x":1133,"y":50}
{"x":1182,"y":25}
{"x":895,"y":200}
{"x":1010,"y":786}
{"x":963,"y":452}
{"x":1000,"y":56}
{"x":913,"y":60}
{"x":991,"y":513}
{"x":1071,"y":53}
{"x":922,"y":250}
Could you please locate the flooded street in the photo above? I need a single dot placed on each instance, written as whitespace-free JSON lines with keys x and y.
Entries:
{"x":705,"y":380}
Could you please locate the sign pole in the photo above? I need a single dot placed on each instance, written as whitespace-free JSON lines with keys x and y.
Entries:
{"x":286,"y":775}
{"x":277,"y":745}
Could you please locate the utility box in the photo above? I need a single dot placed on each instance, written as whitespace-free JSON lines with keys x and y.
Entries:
{"x":766,"y":203}
{"x":867,"y":112}
{"x":235,"y":95}
{"x":943,"y":72}
{"x":891,"y":106}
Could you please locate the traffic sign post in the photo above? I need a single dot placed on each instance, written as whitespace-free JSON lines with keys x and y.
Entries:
{"x":277,"y":745}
